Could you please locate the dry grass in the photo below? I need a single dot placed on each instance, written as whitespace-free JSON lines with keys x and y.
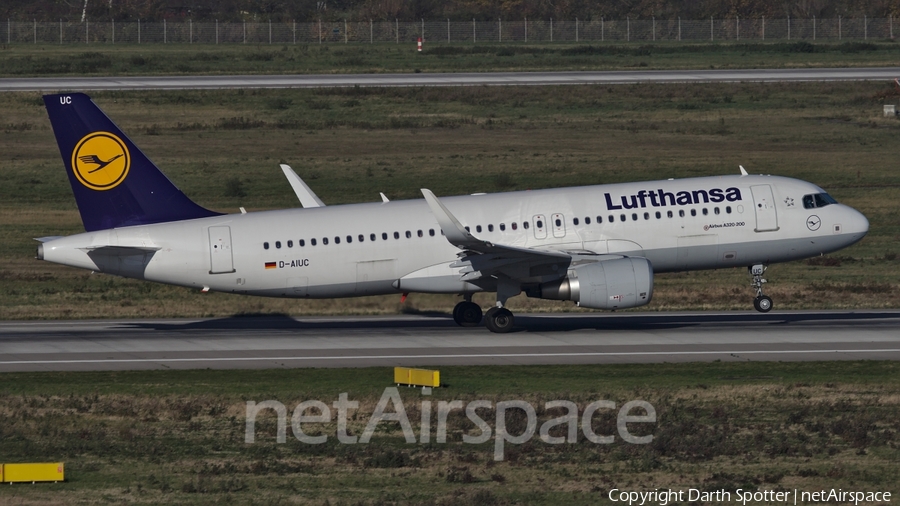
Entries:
{"x":136,"y":440}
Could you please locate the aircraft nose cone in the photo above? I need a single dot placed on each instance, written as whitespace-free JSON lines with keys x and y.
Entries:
{"x":859,"y":224}
{"x":855,"y":225}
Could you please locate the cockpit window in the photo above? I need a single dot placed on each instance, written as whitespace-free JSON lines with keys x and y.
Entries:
{"x":817,"y":200}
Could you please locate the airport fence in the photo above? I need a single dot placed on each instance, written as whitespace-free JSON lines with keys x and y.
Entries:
{"x":499,"y":31}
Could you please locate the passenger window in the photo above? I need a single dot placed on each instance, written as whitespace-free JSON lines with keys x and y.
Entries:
{"x":278,"y":244}
{"x":478,"y":228}
{"x":669,"y":214}
{"x":634,"y":216}
{"x":693,"y":212}
{"x":612,"y":218}
{"x":396,"y":235}
{"x":658,"y":215}
{"x":337,"y":239}
{"x":290,"y":244}
{"x":728,"y":209}
{"x":622,"y":217}
{"x":408,"y":234}
{"x":490,"y":228}
{"x":646,"y":216}
{"x":599,"y":219}
{"x":420,"y":234}
{"x":681,"y":213}
{"x":265,"y":245}
{"x":349,"y":239}
{"x":574,"y":221}
{"x":312,"y":242}
{"x":540,"y":224}
{"x":558,"y":222}
{"x":384,"y":236}
{"x":514,"y":226}
{"x":371,"y":237}
{"x":705,"y":212}
{"x":502,"y":227}
{"x":431,"y":232}
{"x":716,"y":210}
{"x":325,"y":241}
{"x":301,"y":242}
{"x":361,"y":238}
{"x":587,"y":220}
{"x":525,"y":225}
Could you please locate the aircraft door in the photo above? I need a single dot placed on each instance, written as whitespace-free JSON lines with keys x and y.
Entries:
{"x":220,"y":257}
{"x":558,"y":222}
{"x":764,"y":204}
{"x":540,"y":226}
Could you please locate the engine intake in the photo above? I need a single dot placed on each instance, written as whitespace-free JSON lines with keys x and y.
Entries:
{"x":611,"y":284}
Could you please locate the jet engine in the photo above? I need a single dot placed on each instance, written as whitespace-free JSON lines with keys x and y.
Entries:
{"x":610,"y":284}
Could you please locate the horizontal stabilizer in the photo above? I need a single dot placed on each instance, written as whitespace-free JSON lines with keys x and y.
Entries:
{"x":307,"y":197}
{"x":120,"y":251}
{"x":48,"y":238}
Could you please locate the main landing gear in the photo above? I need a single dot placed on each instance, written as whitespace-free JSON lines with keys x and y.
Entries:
{"x":762,"y":303}
{"x":497,"y":319}
{"x":467,"y":313}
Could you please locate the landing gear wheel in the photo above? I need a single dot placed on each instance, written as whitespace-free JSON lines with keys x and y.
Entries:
{"x":467,"y":314}
{"x":763,"y":303}
{"x":499,"y":320}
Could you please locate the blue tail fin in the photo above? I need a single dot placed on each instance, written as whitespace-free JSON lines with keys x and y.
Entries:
{"x":115,"y":184}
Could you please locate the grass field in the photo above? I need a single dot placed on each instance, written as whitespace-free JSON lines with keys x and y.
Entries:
{"x":178,"y":437}
{"x":105,"y":59}
{"x":222,"y":148}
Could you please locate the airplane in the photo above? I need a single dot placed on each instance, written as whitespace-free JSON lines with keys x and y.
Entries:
{"x":598,"y":246}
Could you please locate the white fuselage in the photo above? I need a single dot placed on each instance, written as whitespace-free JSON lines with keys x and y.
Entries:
{"x":687,"y":224}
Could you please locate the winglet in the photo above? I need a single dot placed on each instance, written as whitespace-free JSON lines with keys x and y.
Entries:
{"x":743,"y":172}
{"x":453,"y":229}
{"x":307,"y":197}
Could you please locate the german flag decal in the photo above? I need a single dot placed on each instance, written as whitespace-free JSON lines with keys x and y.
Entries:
{"x":271,"y":265}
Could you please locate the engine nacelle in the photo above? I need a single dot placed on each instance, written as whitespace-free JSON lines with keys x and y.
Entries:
{"x":611,"y":284}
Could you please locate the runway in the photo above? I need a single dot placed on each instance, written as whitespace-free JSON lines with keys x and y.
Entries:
{"x":434,"y":340}
{"x":54,"y":84}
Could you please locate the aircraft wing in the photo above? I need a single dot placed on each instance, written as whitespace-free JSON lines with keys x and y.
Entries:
{"x":307,"y":197}
{"x":479,"y":259}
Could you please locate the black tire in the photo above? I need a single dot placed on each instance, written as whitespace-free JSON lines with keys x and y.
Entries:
{"x":763,"y":303}
{"x":500,"y":320}
{"x":468,"y":315}
{"x":456,"y":310}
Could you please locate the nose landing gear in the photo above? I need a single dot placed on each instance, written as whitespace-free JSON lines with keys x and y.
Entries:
{"x":762,"y":303}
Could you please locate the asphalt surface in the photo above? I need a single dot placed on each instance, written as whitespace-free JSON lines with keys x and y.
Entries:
{"x":434,"y":340}
{"x":54,"y":84}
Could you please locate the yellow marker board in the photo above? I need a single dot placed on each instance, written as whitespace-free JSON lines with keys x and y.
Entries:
{"x":417,"y":377}
{"x":32,"y":472}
